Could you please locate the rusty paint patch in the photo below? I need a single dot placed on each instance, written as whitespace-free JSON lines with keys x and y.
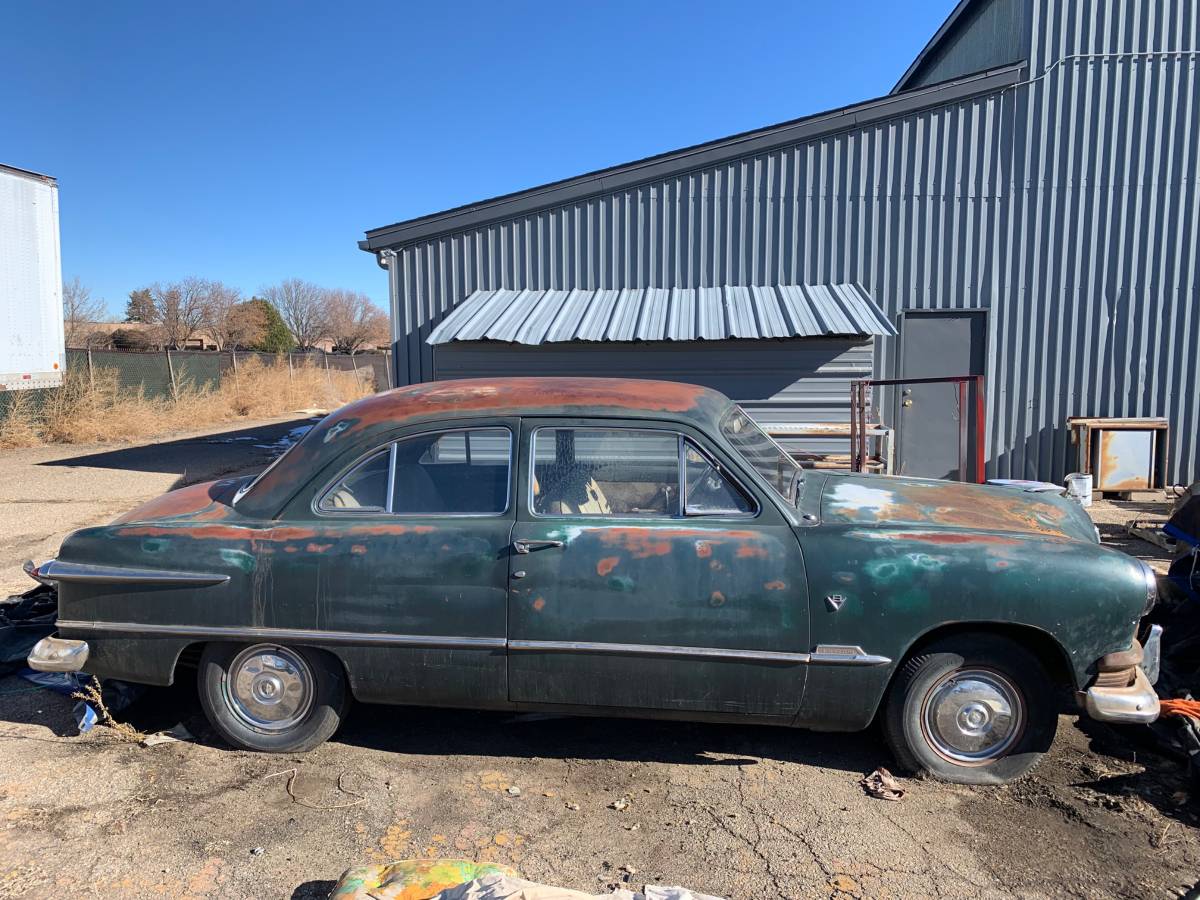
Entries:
{"x":717,"y":599}
{"x":606,"y":565}
{"x":950,"y":537}
{"x":539,"y":604}
{"x":704,"y":549}
{"x":749,"y":551}
{"x":775,"y":586}
{"x":198,"y":501}
{"x":900,"y":501}
{"x":317,"y":548}
{"x":359,"y":549}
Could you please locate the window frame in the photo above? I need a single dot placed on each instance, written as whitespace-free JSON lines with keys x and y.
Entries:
{"x":390,"y":447}
{"x":682,"y":439}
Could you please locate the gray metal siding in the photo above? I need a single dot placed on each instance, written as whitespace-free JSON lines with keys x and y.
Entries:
{"x":1067,"y":205}
{"x":989,"y":35}
{"x":776,"y":381}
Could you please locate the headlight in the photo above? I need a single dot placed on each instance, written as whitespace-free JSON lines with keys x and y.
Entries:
{"x":1150,"y":577}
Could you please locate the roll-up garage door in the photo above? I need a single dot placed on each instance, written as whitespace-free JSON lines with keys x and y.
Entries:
{"x":779,"y":382}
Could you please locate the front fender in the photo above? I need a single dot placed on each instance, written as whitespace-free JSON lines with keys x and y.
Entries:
{"x":897,"y":586}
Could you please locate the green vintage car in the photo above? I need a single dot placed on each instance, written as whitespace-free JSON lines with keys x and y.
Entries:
{"x":614,"y":547}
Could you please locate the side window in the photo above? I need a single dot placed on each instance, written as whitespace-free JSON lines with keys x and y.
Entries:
{"x":453,"y":473}
{"x":707,"y":491}
{"x":460,"y":472}
{"x":605,"y":472}
{"x":363,"y":489}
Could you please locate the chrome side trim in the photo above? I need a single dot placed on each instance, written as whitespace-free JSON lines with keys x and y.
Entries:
{"x":657,"y":650}
{"x":282,"y":635}
{"x":846,"y":655}
{"x":825,"y":653}
{"x":84,"y":573}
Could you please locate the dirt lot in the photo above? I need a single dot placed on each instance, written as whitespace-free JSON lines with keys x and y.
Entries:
{"x":735,"y":811}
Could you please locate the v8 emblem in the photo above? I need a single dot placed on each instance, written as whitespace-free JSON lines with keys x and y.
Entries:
{"x":835,"y":602}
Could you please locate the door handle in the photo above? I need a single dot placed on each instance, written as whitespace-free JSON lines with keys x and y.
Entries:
{"x":523,"y":546}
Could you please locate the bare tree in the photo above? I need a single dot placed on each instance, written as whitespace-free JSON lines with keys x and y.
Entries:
{"x":180,"y":309}
{"x":354,"y":321}
{"x":80,"y":311}
{"x":229,"y":320}
{"x":301,"y":305}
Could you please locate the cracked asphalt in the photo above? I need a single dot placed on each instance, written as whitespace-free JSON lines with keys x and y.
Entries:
{"x":739,"y":812}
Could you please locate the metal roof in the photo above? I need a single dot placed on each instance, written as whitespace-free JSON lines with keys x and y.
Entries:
{"x":675,"y":162}
{"x":663,"y":314}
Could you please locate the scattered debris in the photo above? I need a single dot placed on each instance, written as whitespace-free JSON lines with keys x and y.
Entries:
{"x":1150,"y":531}
{"x":619,"y":805}
{"x":257,"y":851}
{"x":574,"y":807}
{"x":292,"y":773}
{"x":175,"y":735}
{"x":514,"y":791}
{"x":882,"y":784}
{"x":458,"y":879}
{"x":94,"y":708}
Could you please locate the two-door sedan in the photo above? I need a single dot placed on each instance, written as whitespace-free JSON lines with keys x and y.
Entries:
{"x":616,"y":547}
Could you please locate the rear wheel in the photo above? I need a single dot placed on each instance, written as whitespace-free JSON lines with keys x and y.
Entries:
{"x":973,"y":709}
{"x":271,"y":697}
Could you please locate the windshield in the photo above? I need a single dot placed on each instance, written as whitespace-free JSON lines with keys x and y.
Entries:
{"x":757,"y":448}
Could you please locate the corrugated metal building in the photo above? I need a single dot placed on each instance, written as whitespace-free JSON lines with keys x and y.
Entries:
{"x":1023,"y":204}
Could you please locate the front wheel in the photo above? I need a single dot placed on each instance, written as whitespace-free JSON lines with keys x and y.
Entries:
{"x":973,"y":709}
{"x":270,"y":697}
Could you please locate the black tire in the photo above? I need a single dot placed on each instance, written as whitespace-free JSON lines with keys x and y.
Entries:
{"x":315,"y":719}
{"x":1011,"y":744}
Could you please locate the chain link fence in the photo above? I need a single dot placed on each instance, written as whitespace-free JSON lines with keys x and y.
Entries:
{"x":160,"y":373}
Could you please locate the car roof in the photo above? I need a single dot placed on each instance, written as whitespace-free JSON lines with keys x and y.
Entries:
{"x":438,"y":401}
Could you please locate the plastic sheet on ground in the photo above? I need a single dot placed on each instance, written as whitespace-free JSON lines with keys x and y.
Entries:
{"x":1178,"y":612}
{"x":501,"y":887}
{"x":458,"y":879}
{"x":25,"y":620}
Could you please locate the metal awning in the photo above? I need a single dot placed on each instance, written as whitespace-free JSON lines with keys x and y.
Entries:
{"x":664,"y":314}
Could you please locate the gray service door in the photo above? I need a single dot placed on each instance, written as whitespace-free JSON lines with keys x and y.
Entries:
{"x":936,"y":345}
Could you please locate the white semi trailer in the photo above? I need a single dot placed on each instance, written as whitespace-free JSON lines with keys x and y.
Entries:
{"x":31,"y":306}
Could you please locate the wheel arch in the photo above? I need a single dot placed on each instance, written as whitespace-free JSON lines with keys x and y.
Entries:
{"x":189,"y":657}
{"x":1049,"y":651}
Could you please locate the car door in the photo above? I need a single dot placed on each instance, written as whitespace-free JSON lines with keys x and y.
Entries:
{"x":404,"y":563}
{"x":647,"y":575}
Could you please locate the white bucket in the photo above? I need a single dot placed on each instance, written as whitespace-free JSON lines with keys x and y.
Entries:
{"x":1079,"y":488}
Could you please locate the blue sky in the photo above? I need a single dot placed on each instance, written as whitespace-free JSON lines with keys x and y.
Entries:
{"x":256,"y":141}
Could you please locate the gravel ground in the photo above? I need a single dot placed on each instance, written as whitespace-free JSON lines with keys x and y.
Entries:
{"x":48,"y":492}
{"x":741,"y":812}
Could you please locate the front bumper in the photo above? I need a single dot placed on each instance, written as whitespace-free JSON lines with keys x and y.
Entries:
{"x":54,"y":654}
{"x":1133,"y":704}
{"x":1124,"y":690}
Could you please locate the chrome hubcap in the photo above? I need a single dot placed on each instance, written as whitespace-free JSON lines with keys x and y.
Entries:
{"x":269,"y":688}
{"x":973,"y":716}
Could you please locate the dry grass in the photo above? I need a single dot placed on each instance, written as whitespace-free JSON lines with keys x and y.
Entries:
{"x":99,"y":410}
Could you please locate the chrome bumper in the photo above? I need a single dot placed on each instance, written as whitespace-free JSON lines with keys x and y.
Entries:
{"x":53,"y":654}
{"x":1136,"y":704}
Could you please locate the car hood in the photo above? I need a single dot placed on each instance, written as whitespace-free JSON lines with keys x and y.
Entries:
{"x":207,"y":501}
{"x":885,"y":500}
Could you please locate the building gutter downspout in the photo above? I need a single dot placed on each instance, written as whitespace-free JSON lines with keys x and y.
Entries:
{"x":389,"y":261}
